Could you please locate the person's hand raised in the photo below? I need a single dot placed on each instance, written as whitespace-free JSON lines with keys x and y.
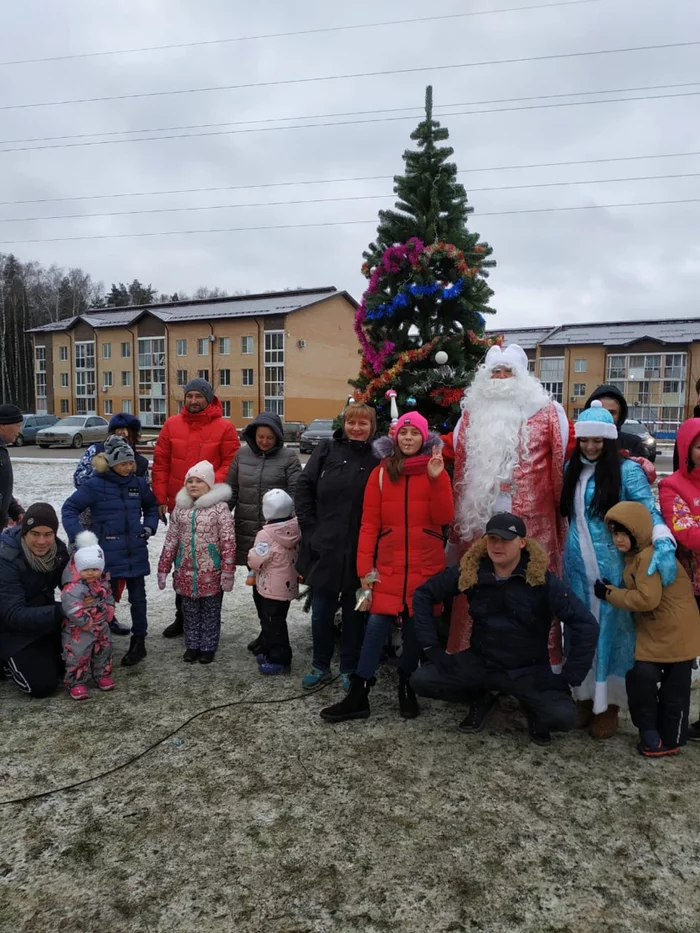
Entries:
{"x":436,"y":464}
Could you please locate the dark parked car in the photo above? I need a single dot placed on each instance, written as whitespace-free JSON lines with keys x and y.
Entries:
{"x":30,"y":425}
{"x":319,"y":430}
{"x":644,"y":434}
{"x":293,"y":431}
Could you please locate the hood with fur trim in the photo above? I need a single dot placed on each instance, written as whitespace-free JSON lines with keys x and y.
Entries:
{"x":384,"y":447}
{"x":534,"y":562}
{"x":221,"y":492}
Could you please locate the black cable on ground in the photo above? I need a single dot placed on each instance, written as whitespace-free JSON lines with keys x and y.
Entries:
{"x":130,"y":761}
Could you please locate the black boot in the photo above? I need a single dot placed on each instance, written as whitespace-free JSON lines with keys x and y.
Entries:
{"x":137,"y":652}
{"x":175,"y":629}
{"x":355,"y":705}
{"x":255,"y":645}
{"x":408,"y":702}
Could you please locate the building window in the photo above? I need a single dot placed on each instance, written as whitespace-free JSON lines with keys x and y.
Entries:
{"x":182,"y":348}
{"x":64,"y":380}
{"x":579,"y":389}
{"x":247,"y":407}
{"x":65,"y":406}
{"x":203,"y":374}
{"x":126,"y":406}
{"x":107,"y":379}
{"x":531,"y":366}
{"x":182,"y":377}
{"x":246,"y":346}
{"x":226,"y":408}
{"x":654,"y":385}
{"x":552,"y":376}
{"x":580,"y":366}
{"x":85,"y":377}
{"x":274,"y":372}
{"x":617,"y":367}
{"x":180,"y":405}
{"x":224,"y":346}
{"x":106,"y":351}
{"x":40,"y":376}
{"x":152,"y":381}
{"x":224,"y":377}
{"x":202,"y":346}
{"x":63,"y":354}
{"x":247,"y":377}
{"x":674,"y":366}
{"x":126,"y":378}
{"x":577,"y":412}
{"x":108,"y":406}
{"x":671,"y":387}
{"x":126,"y":350}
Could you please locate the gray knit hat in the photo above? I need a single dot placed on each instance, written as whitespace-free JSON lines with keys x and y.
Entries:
{"x":118,"y":451}
{"x":202,"y":386}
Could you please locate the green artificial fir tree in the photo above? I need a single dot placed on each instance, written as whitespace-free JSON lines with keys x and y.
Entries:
{"x":421,"y":320}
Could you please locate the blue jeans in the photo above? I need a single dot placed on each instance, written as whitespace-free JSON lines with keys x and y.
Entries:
{"x":378,"y":628}
{"x":136,"y":587}
{"x":323,"y":606}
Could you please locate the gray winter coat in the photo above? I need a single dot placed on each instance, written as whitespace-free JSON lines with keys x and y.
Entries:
{"x":252,"y":473}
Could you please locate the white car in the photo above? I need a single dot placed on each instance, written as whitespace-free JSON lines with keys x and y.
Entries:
{"x":74,"y":431}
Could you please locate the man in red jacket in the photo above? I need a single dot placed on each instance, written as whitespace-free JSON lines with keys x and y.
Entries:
{"x":199,"y":432}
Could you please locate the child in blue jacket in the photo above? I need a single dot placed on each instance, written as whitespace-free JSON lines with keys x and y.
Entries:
{"x":124,"y":516}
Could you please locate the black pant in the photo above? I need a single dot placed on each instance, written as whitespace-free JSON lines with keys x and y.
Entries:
{"x":274,"y":641}
{"x":465,"y":677}
{"x":659,"y":699}
{"x":37,"y":668}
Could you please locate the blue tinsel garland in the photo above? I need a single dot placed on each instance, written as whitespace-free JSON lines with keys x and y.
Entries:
{"x":417,"y":291}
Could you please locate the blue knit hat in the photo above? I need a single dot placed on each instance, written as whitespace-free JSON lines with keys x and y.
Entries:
{"x":596,"y":421}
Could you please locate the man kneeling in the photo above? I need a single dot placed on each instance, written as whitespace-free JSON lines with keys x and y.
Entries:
{"x":512,"y":601}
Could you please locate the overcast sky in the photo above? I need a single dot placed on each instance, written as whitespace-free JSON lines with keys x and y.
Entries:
{"x":552,"y":267}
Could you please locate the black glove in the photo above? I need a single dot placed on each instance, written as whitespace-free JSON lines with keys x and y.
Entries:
{"x":439,"y":657}
{"x":600,"y":589}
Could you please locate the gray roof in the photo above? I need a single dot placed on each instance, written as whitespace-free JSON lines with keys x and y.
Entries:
{"x":526,"y":337}
{"x":269,"y":303}
{"x":678,"y":330}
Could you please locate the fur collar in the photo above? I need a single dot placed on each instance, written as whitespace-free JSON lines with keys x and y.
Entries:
{"x":220,"y":493}
{"x":471,"y":562}
{"x":99,"y":464}
{"x":383,"y":447}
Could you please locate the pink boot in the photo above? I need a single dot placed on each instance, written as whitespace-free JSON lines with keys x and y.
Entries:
{"x":79,"y":692}
{"x":105,"y":683}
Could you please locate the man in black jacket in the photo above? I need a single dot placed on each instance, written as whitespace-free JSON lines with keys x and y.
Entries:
{"x":10,"y":425}
{"x":512,"y":601}
{"x":616,"y":403}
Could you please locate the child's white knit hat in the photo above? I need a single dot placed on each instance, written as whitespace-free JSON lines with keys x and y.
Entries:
{"x":89,"y":554}
{"x":277,"y":504}
{"x":203,"y":470}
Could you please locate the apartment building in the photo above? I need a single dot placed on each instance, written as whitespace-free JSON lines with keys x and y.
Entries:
{"x":287,"y":352}
{"x":655,"y":364}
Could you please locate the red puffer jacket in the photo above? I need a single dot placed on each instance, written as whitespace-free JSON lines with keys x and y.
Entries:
{"x":679,"y":500}
{"x":402,"y":531}
{"x":184,"y":440}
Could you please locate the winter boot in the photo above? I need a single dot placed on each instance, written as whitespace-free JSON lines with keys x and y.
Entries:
{"x":476,"y":717}
{"x":694,"y":731}
{"x":175,"y":629}
{"x":190,"y":655}
{"x":354,"y":706}
{"x":604,"y":725}
{"x":105,"y":683}
{"x":206,"y":657}
{"x":255,"y":645}
{"x":137,"y":652}
{"x":408,"y":702}
{"x":78,"y":692}
{"x":584,"y":713}
{"x":116,"y":628}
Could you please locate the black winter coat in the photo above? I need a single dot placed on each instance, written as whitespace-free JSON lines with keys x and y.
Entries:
{"x":511,"y":618}
{"x":632,"y":443}
{"x":329,"y":500}
{"x":9,"y":507}
{"x":28,"y":609}
{"x":252,"y":473}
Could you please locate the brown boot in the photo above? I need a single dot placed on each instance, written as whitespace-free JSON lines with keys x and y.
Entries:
{"x":604,"y":725}
{"x":584,"y":713}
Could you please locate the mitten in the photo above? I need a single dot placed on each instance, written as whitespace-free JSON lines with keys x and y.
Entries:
{"x":227,"y":581}
{"x":162,"y":578}
{"x":147,"y":532}
{"x":664,"y":561}
{"x":600,"y":590}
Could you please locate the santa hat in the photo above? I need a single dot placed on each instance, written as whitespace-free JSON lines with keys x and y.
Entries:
{"x":89,"y":555}
{"x":511,"y":357}
{"x":412,"y":420}
{"x":596,"y":421}
{"x":277,"y":504}
{"x":203,"y":470}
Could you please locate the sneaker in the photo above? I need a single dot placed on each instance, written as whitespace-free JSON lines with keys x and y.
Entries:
{"x":117,"y":629}
{"x":273,"y":670}
{"x":346,"y":682}
{"x":136,"y":653}
{"x":694,"y":731}
{"x":476,"y":717}
{"x":315,"y":678}
{"x":105,"y":683}
{"x":79,"y":692}
{"x":206,"y":657}
{"x":174,"y":630}
{"x":650,"y":749}
{"x":191,"y":655}
{"x":538,"y":735}
{"x":260,"y":658}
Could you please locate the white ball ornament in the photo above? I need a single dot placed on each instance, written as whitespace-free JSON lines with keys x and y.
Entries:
{"x":441,"y":357}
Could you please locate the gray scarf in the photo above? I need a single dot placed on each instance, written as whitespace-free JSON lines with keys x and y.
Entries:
{"x":44,"y":564}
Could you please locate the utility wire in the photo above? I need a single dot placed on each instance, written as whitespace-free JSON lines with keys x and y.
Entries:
{"x":299,"y":32}
{"x":334,"y":181}
{"x":359,"y":197}
{"x":308,"y":126}
{"x":357,"y":113}
{"x":332,"y":223}
{"x":343,"y":77}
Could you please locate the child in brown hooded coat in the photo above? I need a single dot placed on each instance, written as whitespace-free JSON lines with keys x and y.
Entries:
{"x":668,"y":634}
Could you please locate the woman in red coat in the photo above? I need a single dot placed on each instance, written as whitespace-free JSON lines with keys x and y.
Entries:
{"x":408,"y":501}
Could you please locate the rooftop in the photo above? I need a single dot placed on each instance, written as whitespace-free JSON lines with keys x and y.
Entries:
{"x":617,"y":334}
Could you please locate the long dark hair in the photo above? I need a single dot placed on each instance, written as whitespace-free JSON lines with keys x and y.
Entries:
{"x":608,"y":480}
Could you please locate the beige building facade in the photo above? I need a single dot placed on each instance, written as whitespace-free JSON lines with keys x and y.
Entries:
{"x":287,"y":352}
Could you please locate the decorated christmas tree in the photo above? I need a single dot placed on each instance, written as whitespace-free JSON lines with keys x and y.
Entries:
{"x":421,"y":320}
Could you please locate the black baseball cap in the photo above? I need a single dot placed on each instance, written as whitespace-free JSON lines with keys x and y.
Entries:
{"x":507,"y":526}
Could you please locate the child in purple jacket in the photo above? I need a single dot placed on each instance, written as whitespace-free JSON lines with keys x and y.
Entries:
{"x":272,"y":558}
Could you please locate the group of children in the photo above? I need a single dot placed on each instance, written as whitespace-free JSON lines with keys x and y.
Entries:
{"x":200,"y":545}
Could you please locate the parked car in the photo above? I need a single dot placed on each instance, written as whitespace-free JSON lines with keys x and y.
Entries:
{"x":646,"y":437}
{"x":293,"y":431}
{"x":30,"y":425}
{"x":74,"y":431}
{"x":319,"y":430}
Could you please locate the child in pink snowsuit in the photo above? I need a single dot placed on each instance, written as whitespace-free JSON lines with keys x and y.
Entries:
{"x":273,"y":558}
{"x":88,"y":608}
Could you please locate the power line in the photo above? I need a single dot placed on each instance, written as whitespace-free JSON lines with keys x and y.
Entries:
{"x":300,"y":32}
{"x":354,"y":113}
{"x":332,"y":223}
{"x":359,"y":197}
{"x":334,"y":181}
{"x":308,"y":126}
{"x":343,"y":77}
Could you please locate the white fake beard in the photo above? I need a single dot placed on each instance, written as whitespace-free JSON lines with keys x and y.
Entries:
{"x":497,"y":440}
